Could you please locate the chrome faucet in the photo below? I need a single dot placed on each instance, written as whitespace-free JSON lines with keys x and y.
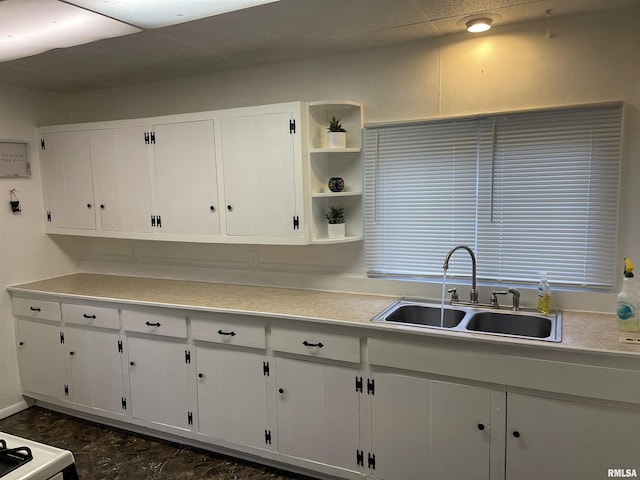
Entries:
{"x":473,"y":294}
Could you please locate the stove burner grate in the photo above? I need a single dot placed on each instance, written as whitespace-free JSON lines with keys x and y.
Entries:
{"x":12,"y":458}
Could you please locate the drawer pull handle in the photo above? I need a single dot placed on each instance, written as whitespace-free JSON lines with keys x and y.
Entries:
{"x":149,"y":324}
{"x":307,"y":344}
{"x":88,"y":316}
{"x":35,"y":309}
{"x":231,"y":333}
{"x":516,"y":434}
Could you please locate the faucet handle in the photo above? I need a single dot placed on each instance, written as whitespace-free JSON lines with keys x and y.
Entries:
{"x":454,"y":294}
{"x":494,"y":297}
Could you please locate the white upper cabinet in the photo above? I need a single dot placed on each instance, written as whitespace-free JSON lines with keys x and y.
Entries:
{"x":66,"y":165}
{"x":121,"y":173}
{"x":185,"y":176}
{"x":226,"y":176}
{"x":262,"y":171}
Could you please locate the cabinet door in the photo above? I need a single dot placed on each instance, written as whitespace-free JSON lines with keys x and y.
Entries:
{"x":122,"y":179}
{"x":41,"y":358}
{"x":186,"y":179}
{"x":96,"y":368}
{"x":67,"y":180}
{"x":232,"y":395}
{"x":400,"y":427}
{"x":158,"y":375}
{"x":461,"y":424}
{"x":260,"y":180}
{"x":557,"y":439}
{"x":420,"y":429}
{"x":318,"y":412}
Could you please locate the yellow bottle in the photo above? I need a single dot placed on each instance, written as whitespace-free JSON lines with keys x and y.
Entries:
{"x":544,"y":295}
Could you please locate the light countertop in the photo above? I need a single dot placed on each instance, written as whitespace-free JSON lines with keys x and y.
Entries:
{"x":582,"y":331}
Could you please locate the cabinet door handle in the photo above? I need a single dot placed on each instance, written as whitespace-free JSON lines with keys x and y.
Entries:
{"x":481,"y":426}
{"x":281,"y":390}
{"x":516,"y":434}
{"x":35,"y":309}
{"x":72,"y":353}
{"x":212,"y":208}
{"x":231,"y":333}
{"x":307,"y":344}
{"x":89,"y":205}
{"x":201,"y":375}
{"x":229,"y":207}
{"x":149,"y":324}
{"x":102,"y":206}
{"x":85,"y":315}
{"x":132,"y":364}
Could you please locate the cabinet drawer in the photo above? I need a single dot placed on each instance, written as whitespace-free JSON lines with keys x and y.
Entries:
{"x":156,"y":323}
{"x":238,"y":330}
{"x":41,"y":309}
{"x":90,"y":315}
{"x":316,"y":344}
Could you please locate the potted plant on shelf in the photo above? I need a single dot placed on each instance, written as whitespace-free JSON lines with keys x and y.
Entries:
{"x":335,"y":217}
{"x":337,"y":136}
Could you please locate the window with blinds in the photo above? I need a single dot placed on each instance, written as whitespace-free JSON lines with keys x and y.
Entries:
{"x":528,"y":192}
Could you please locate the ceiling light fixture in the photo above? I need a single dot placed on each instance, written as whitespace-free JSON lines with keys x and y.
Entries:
{"x":477,"y":25}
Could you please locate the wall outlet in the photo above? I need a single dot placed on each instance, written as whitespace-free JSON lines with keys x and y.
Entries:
{"x":254,"y":259}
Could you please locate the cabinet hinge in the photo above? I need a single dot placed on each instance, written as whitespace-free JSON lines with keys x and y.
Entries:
{"x":187,"y":356}
{"x":267,"y":437}
{"x":153,"y":138}
{"x":43,"y":145}
{"x":146,"y":138}
{"x":190,"y":418}
{"x":265,"y":369}
{"x":159,"y":221}
{"x":62,"y":337}
{"x":296,"y":222}
{"x":292,"y":126}
{"x":371,"y":386}
{"x":66,"y":390}
{"x":48,"y":215}
{"x":358,"y":384}
{"x":119,"y":346}
{"x":124,"y":403}
{"x":360,"y":457}
{"x":153,"y":220}
{"x":371,"y":461}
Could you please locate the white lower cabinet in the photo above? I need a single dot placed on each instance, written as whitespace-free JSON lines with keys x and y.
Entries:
{"x":318,"y":412}
{"x":41,"y":359}
{"x":159,"y":380}
{"x":558,"y":439}
{"x":422,"y":428}
{"x":159,"y":367}
{"x":95,"y":357}
{"x":232,"y":396}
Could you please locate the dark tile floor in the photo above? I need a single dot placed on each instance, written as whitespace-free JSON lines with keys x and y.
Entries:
{"x":105,"y":453}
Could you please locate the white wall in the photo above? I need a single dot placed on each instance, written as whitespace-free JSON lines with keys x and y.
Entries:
{"x":25,"y":252}
{"x":591,"y":58}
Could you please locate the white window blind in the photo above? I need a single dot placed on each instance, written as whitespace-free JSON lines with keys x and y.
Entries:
{"x":528,"y":192}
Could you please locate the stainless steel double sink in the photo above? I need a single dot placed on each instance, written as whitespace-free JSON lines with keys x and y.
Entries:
{"x":474,"y":319}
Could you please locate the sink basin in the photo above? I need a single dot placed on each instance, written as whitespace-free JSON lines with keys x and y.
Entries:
{"x":511,"y":324}
{"x":426,"y":315}
{"x":474,"y":319}
{"x":421,"y":313}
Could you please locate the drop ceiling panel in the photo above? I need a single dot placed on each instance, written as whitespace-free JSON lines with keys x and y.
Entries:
{"x":288,"y":29}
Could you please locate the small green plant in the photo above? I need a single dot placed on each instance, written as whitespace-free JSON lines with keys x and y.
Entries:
{"x":335,"y":215}
{"x":335,"y":125}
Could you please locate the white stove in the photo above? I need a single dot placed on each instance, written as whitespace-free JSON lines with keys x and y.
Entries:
{"x":22,"y":459}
